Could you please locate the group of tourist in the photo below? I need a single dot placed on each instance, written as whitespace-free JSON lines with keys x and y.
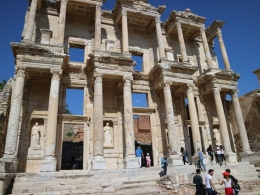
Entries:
{"x":140,"y":155}
{"x":231,"y":183}
{"x":218,"y":154}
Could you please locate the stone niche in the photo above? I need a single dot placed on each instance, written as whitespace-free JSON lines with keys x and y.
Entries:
{"x":37,"y":144}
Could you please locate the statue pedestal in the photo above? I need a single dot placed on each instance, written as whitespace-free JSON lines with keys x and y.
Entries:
{"x":231,"y":157}
{"x":131,"y":163}
{"x":49,"y":164}
{"x":8,"y":164}
{"x":175,"y":160}
{"x":98,"y":162}
{"x":34,"y":160}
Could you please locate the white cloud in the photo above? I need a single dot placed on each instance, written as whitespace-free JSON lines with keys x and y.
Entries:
{"x":137,"y":101}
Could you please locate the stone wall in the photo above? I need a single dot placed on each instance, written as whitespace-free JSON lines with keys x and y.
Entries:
{"x":5,"y":98}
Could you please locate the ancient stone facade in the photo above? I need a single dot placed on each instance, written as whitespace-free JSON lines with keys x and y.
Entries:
{"x":180,"y":76}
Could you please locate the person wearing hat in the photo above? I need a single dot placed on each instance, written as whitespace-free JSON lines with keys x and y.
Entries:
{"x":148,"y":160}
{"x":228,"y":183}
{"x":139,"y":154}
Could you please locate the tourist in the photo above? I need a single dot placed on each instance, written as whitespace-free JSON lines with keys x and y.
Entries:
{"x":228,"y":183}
{"x":164,"y":164}
{"x":218,"y":156}
{"x":210,"y":188}
{"x":201,"y":158}
{"x":148,"y":160}
{"x":197,"y":179}
{"x":139,"y":154}
{"x":222,"y":154}
{"x":184,"y":156}
{"x":234,"y":180}
{"x":211,"y":153}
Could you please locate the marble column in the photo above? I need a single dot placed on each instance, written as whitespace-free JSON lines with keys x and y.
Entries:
{"x":193,"y":118}
{"x":223,"y":49}
{"x":98,"y":161}
{"x":125,"y":31}
{"x":14,"y":116}
{"x":130,"y":161}
{"x":206,"y":47}
{"x":173,"y":132}
{"x":62,"y":22}
{"x":159,"y":36}
{"x":30,"y":21}
{"x":240,"y":123}
{"x":50,"y":161}
{"x":98,"y":27}
{"x":181,"y":42}
{"x":231,"y":157}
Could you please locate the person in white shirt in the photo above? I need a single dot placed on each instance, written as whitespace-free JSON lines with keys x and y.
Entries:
{"x":228,"y":183}
{"x":222,"y":155}
{"x":210,"y":188}
{"x":219,"y":156}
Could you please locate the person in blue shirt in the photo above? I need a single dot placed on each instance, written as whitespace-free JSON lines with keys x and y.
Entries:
{"x":139,"y":154}
{"x":201,"y":158}
{"x":164,"y":164}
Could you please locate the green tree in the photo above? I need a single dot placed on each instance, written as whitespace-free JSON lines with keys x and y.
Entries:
{"x":67,"y":111}
{"x":2,"y":84}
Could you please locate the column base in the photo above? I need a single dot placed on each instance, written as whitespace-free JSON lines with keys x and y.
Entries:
{"x":249,"y":156}
{"x":131,"y":163}
{"x":8,"y":165}
{"x":98,"y":162}
{"x":175,"y":160}
{"x":49,"y":164}
{"x":231,"y":157}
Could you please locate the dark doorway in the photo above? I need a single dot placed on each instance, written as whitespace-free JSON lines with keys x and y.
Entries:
{"x":191,"y":142}
{"x":146,"y":149}
{"x":72,"y":155}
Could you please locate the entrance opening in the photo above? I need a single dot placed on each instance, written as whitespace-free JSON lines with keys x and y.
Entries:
{"x":72,"y":148}
{"x":191,"y":142}
{"x":143,"y":137}
{"x":74,"y":101}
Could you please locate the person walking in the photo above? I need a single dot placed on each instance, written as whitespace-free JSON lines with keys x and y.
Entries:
{"x":210,"y":188}
{"x":148,"y":160}
{"x":211,"y":153}
{"x":164,"y":164}
{"x":184,"y":156}
{"x":228,"y":183}
{"x":139,"y":154}
{"x":219,"y":156}
{"x":234,"y":180}
{"x":197,"y":180}
{"x":201,"y":158}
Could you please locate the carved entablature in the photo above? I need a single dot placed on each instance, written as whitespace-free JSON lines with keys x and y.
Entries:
{"x":227,"y":80}
{"x":140,"y":86}
{"x":212,"y":30}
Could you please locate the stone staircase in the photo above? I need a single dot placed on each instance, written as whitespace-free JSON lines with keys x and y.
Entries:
{"x":126,"y":181}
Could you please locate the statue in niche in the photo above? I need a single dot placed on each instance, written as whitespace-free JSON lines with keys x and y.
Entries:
{"x":217,"y":137}
{"x":36,"y":133}
{"x":108,"y":135}
{"x":75,"y":129}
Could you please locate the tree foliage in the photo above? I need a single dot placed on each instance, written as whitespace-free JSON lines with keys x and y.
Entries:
{"x":2,"y":84}
{"x":67,"y":111}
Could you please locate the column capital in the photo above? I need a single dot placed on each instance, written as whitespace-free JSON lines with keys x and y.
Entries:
{"x":56,"y":74}
{"x":189,"y":87}
{"x":64,"y":1}
{"x":98,"y":77}
{"x":202,"y":30}
{"x":124,"y":12}
{"x":158,"y":19}
{"x":127,"y":80}
{"x":165,"y":84}
{"x":219,"y":33}
{"x":178,"y":23}
{"x":234,"y":93}
{"x":216,"y":91}
{"x":98,"y":7}
{"x":20,"y":72}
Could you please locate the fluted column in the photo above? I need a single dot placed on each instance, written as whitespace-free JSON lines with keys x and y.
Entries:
{"x":159,"y":36}
{"x":30,"y":21}
{"x":14,"y":116}
{"x":130,"y":160}
{"x":240,"y":123}
{"x":206,"y":47}
{"x":181,"y":42}
{"x":173,"y":133}
{"x":128,"y":117}
{"x":223,"y":49}
{"x":51,"y":132}
{"x":125,"y":31}
{"x":62,"y":22}
{"x":193,"y":118}
{"x":98,"y":117}
{"x":221,"y":119}
{"x":98,"y":27}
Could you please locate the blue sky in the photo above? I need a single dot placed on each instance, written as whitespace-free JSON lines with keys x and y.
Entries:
{"x":241,"y":32}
